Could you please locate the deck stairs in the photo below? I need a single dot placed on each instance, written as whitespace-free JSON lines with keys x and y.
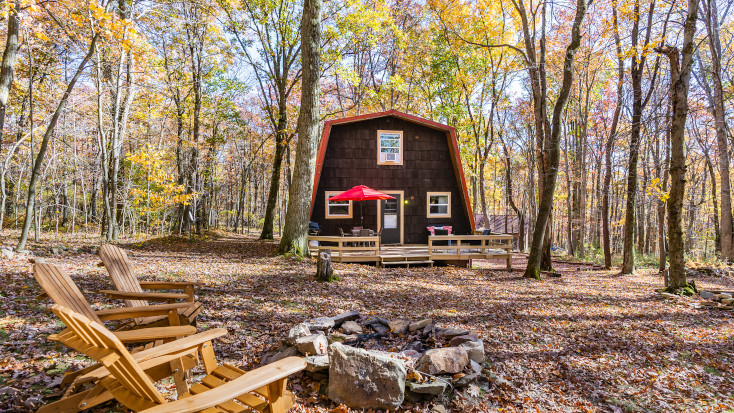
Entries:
{"x":405,"y":257}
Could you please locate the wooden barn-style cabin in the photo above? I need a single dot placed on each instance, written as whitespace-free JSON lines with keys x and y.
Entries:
{"x":413,"y":159}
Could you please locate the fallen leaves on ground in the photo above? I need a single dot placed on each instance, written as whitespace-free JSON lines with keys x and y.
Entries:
{"x":590,"y":341}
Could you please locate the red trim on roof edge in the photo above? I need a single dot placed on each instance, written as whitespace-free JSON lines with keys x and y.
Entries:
{"x":450,"y":134}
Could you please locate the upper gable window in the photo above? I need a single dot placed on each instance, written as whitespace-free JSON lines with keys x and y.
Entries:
{"x":390,"y":147}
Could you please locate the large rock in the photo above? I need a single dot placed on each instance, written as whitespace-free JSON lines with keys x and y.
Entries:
{"x":415,"y":345}
{"x":296,"y":332}
{"x":463,"y":339}
{"x":434,"y":388}
{"x":313,"y":345}
{"x":283,"y":352}
{"x":419,"y":325}
{"x":449,"y":360}
{"x":348,"y":316}
{"x":379,"y":327}
{"x":466,"y":379}
{"x":363,"y":380}
{"x":351,"y":327}
{"x":7,"y":253}
{"x":321,"y":324}
{"x":450,"y":333}
{"x":317,"y":363}
{"x":475,"y":350}
{"x":399,"y":326}
{"x":471,"y":377}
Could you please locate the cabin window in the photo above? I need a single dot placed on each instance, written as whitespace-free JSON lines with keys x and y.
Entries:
{"x":337,"y":209}
{"x":439,"y":205}
{"x":390,"y":147}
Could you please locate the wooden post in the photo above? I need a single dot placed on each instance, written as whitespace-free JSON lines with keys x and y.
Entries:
{"x":324,"y":270}
{"x":509,"y":255}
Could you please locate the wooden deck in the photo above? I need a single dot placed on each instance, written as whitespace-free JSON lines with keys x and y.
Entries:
{"x":455,"y":249}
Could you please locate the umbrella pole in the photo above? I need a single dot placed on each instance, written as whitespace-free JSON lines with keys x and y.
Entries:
{"x":361,"y":214}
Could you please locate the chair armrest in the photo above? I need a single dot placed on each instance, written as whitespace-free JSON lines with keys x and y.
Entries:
{"x":132,"y":295}
{"x":246,"y":383}
{"x":154,"y":333}
{"x":166,"y":352}
{"x":180,"y":344}
{"x":187,"y":286}
{"x":142,"y":311}
{"x":168,"y":285}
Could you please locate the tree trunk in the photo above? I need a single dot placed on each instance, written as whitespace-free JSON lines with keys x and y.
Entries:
{"x":30,"y":203}
{"x":272,"y":202}
{"x":636,"y":74}
{"x":549,"y":183}
{"x":719,"y":113}
{"x":295,"y":234}
{"x":6,"y":80}
{"x":8,"y":64}
{"x":662,"y":245}
{"x":714,"y":200}
{"x":680,"y":76}
{"x":609,"y":147}
{"x":511,"y":199}
{"x":628,"y":250}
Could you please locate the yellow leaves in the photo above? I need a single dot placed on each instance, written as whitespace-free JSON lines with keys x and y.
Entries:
{"x":156,"y":188}
{"x":97,"y":12}
{"x":654,"y":188}
{"x":42,"y":36}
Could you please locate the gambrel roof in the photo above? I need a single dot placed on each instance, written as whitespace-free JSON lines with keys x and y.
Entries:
{"x":450,"y":136}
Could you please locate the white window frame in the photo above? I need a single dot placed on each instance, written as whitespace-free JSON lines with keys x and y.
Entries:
{"x":379,"y":147}
{"x":327,"y":214}
{"x":428,"y":205}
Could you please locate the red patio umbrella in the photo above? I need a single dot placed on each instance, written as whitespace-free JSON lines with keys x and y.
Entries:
{"x":360,"y":193}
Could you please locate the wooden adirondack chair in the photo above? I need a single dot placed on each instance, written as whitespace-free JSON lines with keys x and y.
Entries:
{"x":131,"y":290}
{"x":224,"y":389}
{"x":63,"y":291}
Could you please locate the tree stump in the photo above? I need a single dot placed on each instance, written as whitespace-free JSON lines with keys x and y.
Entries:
{"x":324,"y":270}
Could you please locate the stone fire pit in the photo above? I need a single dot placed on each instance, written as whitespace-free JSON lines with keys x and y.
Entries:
{"x":375,"y":363}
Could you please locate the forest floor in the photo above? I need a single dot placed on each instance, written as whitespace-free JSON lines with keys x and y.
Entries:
{"x":588,"y":341}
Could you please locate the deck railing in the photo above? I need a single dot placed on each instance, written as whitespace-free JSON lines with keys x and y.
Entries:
{"x":465,"y":246}
{"x":441,"y":247}
{"x":354,"y":246}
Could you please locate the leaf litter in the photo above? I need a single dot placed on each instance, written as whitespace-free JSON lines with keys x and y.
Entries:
{"x":590,"y":341}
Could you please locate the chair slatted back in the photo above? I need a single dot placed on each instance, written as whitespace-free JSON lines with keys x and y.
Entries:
{"x":62,"y":290}
{"x":120,"y":268}
{"x":129,"y":383}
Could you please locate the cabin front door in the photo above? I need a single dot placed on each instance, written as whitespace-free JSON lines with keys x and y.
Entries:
{"x":391,"y":218}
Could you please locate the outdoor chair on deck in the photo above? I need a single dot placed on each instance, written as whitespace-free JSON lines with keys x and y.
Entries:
{"x":129,"y":289}
{"x":440,"y":231}
{"x":365,"y":233}
{"x":129,"y":378}
{"x":314,"y":228}
{"x":378,"y":234}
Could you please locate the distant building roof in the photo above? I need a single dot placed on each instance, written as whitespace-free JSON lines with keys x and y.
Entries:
{"x":508,"y":224}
